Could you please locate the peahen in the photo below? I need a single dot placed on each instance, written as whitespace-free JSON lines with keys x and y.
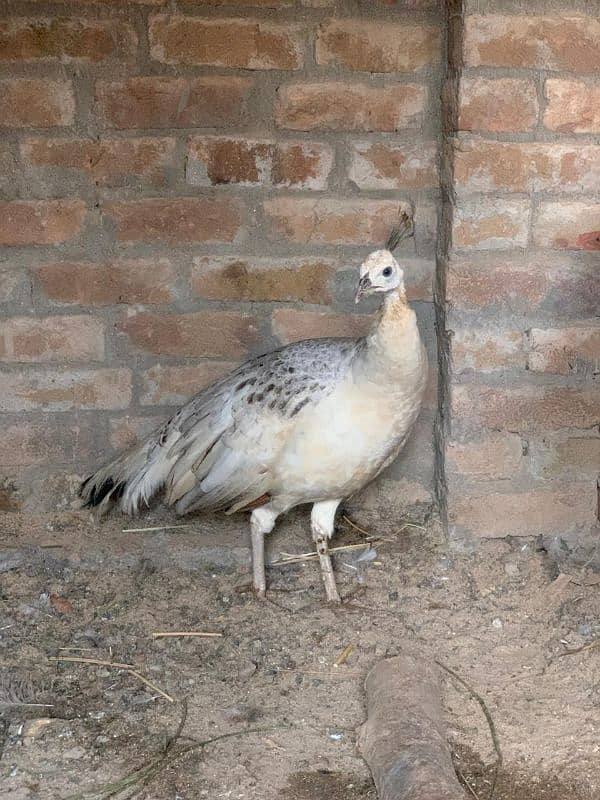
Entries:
{"x":312,"y":422}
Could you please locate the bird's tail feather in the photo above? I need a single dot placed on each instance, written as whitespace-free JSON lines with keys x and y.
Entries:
{"x":129,"y":480}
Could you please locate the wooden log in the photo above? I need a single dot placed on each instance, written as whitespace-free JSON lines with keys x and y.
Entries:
{"x":403,"y":740}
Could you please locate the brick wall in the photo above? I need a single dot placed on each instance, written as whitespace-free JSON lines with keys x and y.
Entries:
{"x":523,"y":270}
{"x":184,"y":185}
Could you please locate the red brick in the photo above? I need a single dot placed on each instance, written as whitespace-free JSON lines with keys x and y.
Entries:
{"x":573,"y":106}
{"x":27,"y":339}
{"x":377,"y":46}
{"x":304,"y":280}
{"x":36,"y":103}
{"x":147,"y":280}
{"x":108,"y":162}
{"x":565,"y":351}
{"x":487,"y":351}
{"x":385,"y":165}
{"x":560,"y":509}
{"x":568,"y":226}
{"x":79,"y":40}
{"x":125,"y":432}
{"x":350,"y":106}
{"x":548,"y":43}
{"x":46,"y":441}
{"x":482,"y":165}
{"x":218,"y":160}
{"x":173,"y":386}
{"x":502,"y":105}
{"x":494,"y":457}
{"x":204,"y":333}
{"x":177,"y":220}
{"x":572,"y":456}
{"x":161,"y":102}
{"x":519,"y":283}
{"x":529,"y":408}
{"x":332,"y":221}
{"x":292,"y":325}
{"x":490,"y":224}
{"x":29,"y":222}
{"x":254,"y":3}
{"x":61,"y":390}
{"x":245,"y":43}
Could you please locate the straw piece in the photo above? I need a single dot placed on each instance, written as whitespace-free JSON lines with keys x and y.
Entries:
{"x":343,"y":655}
{"x":199,"y":634}
{"x":157,"y":528}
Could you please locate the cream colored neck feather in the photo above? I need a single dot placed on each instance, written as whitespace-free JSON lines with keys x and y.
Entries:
{"x":394,"y":342}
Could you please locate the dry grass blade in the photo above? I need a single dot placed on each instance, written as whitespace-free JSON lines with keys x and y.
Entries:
{"x":116,"y":665}
{"x":199,"y":634}
{"x":582,"y":649}
{"x":343,"y":655}
{"x":489,"y":719}
{"x":156,"y":528}
{"x":352,"y":524}
{"x":292,"y":559}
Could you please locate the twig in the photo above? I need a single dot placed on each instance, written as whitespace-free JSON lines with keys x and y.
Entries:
{"x":139,"y":778}
{"x":489,"y":719}
{"x":466,"y":783}
{"x":292,"y":559}
{"x":199,"y":634}
{"x":343,"y":655}
{"x":115,"y":665}
{"x":157,"y":528}
{"x":352,"y":524}
{"x":28,"y":705}
{"x":588,"y":646}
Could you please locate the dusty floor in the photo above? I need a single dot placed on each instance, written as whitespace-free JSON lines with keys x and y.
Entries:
{"x":503,"y":619}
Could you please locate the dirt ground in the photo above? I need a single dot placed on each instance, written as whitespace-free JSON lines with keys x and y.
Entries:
{"x":502,"y":618}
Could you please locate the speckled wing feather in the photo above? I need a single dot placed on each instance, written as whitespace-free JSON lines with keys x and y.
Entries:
{"x":222,"y":447}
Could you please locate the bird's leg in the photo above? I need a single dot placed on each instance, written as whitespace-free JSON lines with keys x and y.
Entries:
{"x":262,"y":522}
{"x":321,"y":523}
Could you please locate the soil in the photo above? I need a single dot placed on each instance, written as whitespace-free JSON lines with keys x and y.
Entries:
{"x":503,"y":618}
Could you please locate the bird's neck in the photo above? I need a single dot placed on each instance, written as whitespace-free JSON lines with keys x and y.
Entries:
{"x":394,"y":342}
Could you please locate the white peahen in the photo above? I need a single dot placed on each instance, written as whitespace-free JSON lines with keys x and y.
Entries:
{"x":312,"y":422}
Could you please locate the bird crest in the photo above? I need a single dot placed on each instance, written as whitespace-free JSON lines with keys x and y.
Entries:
{"x":403,"y":230}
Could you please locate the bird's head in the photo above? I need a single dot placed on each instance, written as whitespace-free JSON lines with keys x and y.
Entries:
{"x":380,"y":272}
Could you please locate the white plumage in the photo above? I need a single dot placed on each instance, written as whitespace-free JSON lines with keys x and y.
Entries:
{"x":312,"y":422}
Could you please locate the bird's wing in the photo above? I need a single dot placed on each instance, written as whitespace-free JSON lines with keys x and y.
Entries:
{"x":223,"y":445}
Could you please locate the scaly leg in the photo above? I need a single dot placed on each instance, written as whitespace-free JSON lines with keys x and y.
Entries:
{"x":321,"y":523}
{"x":262,"y":521}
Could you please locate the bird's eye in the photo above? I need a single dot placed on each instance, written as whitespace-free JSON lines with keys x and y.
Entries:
{"x":387,"y":272}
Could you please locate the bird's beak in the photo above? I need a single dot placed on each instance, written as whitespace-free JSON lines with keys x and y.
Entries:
{"x":364,"y":285}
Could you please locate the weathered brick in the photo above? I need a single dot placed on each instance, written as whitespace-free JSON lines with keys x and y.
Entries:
{"x":245,"y":278}
{"x":61,"y":390}
{"x":161,"y":102}
{"x":518,"y":283}
{"x":565,"y":351}
{"x":573,"y":106}
{"x":200,"y":334}
{"x":45,"y":441}
{"x":15,"y":289}
{"x":568,"y":226}
{"x":213,"y":161}
{"x":350,"y":106}
{"x":27,"y":339}
{"x":377,"y":46}
{"x":146,"y":280}
{"x":385,"y":165}
{"x":108,"y":162}
{"x":481,"y":165}
{"x":562,"y":509}
{"x":65,"y":40}
{"x":487,"y":350}
{"x":502,"y":105}
{"x":254,"y":3}
{"x":567,"y":456}
{"x":31,"y":222}
{"x":527,"y":408}
{"x":172,"y":386}
{"x":176,"y":220}
{"x":293,"y":325}
{"x":246,"y":43}
{"x":544,"y":42}
{"x":332,"y":221}
{"x":125,"y":432}
{"x":36,"y":103}
{"x":491,"y":224}
{"x":494,"y":457}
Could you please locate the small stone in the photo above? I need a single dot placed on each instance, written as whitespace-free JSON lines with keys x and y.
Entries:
{"x":497,"y":623}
